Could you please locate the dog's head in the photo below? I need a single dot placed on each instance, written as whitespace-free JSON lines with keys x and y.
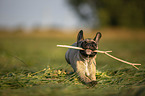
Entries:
{"x":89,"y":45}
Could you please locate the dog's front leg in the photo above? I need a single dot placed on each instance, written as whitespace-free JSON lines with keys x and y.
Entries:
{"x":81,"y":72}
{"x":82,"y":76}
{"x":86,"y":80}
{"x":92,"y":70}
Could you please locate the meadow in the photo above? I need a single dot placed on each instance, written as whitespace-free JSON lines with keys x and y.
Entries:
{"x":31,"y":64}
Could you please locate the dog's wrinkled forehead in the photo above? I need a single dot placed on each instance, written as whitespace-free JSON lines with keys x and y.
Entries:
{"x":89,"y":40}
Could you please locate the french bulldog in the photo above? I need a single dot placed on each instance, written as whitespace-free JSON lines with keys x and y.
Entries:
{"x":83,"y":61}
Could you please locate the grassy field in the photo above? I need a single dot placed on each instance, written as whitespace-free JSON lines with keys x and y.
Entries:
{"x":31,"y":64}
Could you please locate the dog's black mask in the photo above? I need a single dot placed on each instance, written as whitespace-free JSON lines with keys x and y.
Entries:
{"x":89,"y":45}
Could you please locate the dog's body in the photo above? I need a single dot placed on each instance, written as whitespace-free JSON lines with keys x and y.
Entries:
{"x":83,"y":61}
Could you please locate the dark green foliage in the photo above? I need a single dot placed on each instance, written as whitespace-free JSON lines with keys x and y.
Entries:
{"x":125,"y":13}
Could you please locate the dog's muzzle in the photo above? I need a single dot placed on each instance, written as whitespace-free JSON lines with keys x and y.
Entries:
{"x":88,"y":51}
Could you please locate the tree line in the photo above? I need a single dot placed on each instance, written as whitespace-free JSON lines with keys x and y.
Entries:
{"x":124,"y":13}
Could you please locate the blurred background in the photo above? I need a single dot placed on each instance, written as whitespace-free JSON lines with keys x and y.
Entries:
{"x":66,"y":14}
{"x":31,"y":29}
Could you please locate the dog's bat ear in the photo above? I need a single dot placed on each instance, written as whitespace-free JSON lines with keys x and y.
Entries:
{"x":80,"y":36}
{"x":97,"y":37}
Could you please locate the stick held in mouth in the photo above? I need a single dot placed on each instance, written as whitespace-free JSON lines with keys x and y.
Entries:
{"x":73,"y":47}
{"x":105,"y":52}
{"x":78,"y":48}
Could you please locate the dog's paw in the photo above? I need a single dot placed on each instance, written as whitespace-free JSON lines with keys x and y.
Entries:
{"x":92,"y":84}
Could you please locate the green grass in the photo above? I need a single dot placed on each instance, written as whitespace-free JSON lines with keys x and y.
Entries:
{"x":35,"y":66}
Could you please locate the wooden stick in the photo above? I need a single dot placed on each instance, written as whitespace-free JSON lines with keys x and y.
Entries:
{"x":78,"y":48}
{"x":73,"y":47}
{"x":133,"y":64}
{"x":105,"y":52}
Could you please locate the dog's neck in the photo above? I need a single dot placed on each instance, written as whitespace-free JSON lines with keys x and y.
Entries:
{"x":84,"y":58}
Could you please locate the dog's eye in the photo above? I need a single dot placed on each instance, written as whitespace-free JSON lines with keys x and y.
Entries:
{"x":94,"y":44}
{"x":84,"y":44}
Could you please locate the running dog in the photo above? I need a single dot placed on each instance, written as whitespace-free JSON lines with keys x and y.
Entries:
{"x":83,"y":61}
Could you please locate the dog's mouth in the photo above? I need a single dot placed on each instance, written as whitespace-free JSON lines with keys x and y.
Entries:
{"x":88,"y":51}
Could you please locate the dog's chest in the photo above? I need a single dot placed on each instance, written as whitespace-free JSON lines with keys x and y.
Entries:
{"x":88,"y":63}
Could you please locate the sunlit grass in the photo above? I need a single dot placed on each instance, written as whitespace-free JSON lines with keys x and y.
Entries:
{"x":33,"y":65}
